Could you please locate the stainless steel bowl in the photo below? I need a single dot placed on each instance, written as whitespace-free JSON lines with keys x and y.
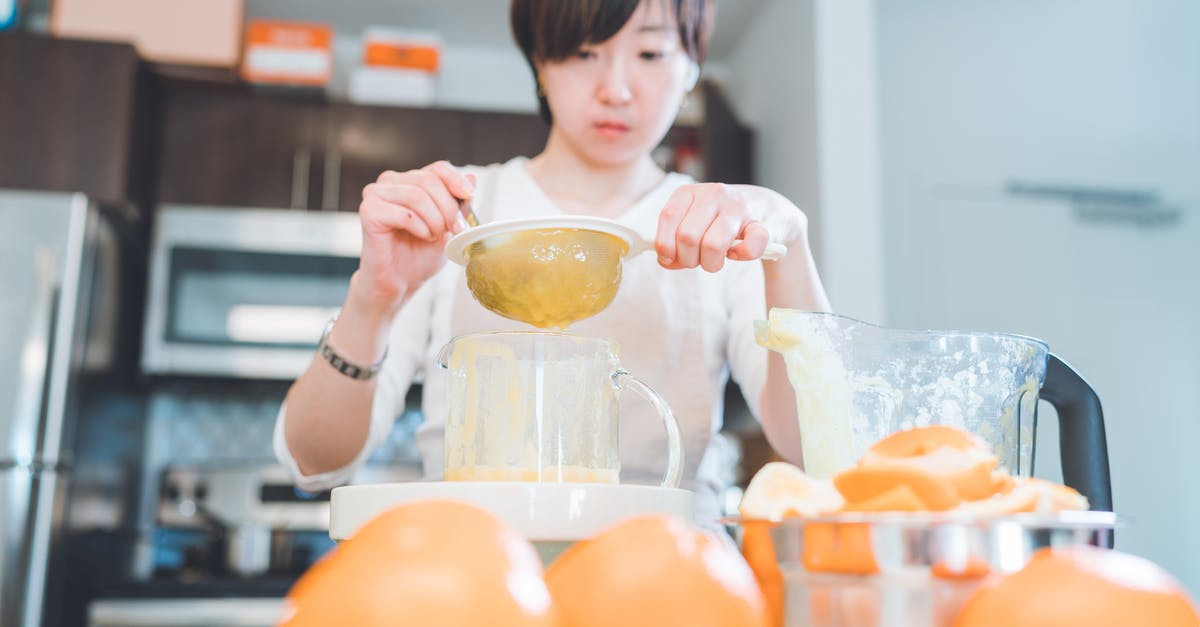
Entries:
{"x":908,"y":569}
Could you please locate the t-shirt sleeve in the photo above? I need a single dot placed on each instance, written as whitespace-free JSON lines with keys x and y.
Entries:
{"x":406,"y":346}
{"x":745,"y":299}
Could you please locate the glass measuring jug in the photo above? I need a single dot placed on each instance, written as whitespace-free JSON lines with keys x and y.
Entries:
{"x":856,"y":383}
{"x":540,"y":406}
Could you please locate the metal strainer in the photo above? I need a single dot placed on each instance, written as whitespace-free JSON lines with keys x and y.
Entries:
{"x":549,"y":272}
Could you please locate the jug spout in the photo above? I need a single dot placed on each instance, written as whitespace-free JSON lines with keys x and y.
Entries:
{"x":822,"y":386}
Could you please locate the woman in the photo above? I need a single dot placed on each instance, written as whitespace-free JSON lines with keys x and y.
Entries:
{"x":611,"y":76}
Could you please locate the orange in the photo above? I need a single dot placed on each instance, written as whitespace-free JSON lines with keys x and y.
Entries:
{"x":924,"y":440}
{"x":958,"y":456}
{"x":1082,"y":586}
{"x":429,"y":563}
{"x":655,"y":570}
{"x":866,"y":482}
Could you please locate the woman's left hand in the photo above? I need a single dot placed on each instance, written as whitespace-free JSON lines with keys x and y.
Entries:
{"x":703,"y":224}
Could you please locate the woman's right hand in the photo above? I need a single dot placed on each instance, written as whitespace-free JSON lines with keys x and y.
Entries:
{"x":406,"y":219}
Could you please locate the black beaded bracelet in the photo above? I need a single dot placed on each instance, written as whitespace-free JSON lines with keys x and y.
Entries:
{"x":339,"y":363}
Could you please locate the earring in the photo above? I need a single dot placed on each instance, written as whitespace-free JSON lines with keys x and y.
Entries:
{"x":541,"y":87}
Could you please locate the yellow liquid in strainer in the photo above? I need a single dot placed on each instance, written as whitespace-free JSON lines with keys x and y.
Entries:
{"x":546,"y":277}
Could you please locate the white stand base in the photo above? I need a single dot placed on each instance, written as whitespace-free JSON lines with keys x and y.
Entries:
{"x":542,"y":512}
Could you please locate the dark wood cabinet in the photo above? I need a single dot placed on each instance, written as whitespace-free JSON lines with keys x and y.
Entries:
{"x":224,"y":145}
{"x":89,"y":116}
{"x":498,"y":137}
{"x":75,"y":116}
{"x":363,"y":141}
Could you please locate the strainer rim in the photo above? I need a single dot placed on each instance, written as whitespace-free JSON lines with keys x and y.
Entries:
{"x":456,"y":248}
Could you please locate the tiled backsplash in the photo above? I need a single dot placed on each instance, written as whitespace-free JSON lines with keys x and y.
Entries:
{"x":204,"y":425}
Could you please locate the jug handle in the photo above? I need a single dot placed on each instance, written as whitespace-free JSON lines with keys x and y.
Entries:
{"x":1082,"y":442}
{"x":622,"y":380}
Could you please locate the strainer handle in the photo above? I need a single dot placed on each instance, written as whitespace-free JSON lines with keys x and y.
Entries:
{"x":622,"y":380}
{"x":774,"y":252}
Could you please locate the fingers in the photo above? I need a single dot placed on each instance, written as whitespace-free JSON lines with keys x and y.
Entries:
{"x":717,"y":241}
{"x":702,"y":225}
{"x":690,"y":236}
{"x":755,"y":238}
{"x":422,"y":202}
{"x":378,"y":215}
{"x":669,"y":219}
{"x":404,"y":207}
{"x":459,"y":184}
{"x":447,"y":204}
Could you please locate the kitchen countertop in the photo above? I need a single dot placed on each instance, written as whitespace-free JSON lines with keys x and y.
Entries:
{"x":237,"y":612}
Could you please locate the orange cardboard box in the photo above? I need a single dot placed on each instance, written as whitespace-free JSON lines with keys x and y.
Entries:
{"x":288,"y":53}
{"x":398,"y":49}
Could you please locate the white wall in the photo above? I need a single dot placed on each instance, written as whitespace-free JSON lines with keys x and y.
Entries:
{"x":1095,"y":93}
{"x":769,"y":81}
{"x":848,"y":148}
{"x":803,"y":76}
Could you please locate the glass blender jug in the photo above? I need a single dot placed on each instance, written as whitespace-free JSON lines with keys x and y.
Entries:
{"x":856,"y":383}
{"x":540,"y":406}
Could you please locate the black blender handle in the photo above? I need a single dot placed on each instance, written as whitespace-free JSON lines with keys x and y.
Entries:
{"x":1082,"y":443}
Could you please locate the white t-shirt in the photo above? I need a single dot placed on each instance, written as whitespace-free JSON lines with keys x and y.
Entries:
{"x":681,"y":331}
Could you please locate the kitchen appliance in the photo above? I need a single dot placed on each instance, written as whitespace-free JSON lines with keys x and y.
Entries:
{"x":244,"y":293}
{"x":856,"y":383}
{"x":60,"y":260}
{"x":540,"y":407}
{"x":532,"y":423}
{"x":250,"y":513}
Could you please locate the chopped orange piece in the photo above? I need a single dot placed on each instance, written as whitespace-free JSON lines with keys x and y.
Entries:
{"x":759,"y":551}
{"x":898,"y":499}
{"x":839,"y":548}
{"x":866,"y":482}
{"x":975,"y":568}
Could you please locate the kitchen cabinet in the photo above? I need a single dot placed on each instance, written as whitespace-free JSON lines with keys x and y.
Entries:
{"x":76,"y":116}
{"x":363,"y":141}
{"x":497,"y":137}
{"x":227,"y":145}
{"x":224,"y":145}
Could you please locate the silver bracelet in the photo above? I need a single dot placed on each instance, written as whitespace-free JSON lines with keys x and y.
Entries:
{"x":339,"y":363}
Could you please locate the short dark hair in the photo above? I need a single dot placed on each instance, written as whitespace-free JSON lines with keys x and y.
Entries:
{"x":552,"y":30}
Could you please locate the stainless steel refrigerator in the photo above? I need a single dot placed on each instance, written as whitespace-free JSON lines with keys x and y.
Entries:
{"x":55,"y":250}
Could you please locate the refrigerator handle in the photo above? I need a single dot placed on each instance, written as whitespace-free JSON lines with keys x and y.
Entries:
{"x":35,"y":360}
{"x":1082,"y":440}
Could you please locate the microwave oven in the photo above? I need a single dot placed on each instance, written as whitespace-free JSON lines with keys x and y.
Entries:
{"x":244,"y":293}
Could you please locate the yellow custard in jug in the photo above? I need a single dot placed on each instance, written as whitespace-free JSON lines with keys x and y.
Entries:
{"x":498,"y":427}
{"x":549,"y":474}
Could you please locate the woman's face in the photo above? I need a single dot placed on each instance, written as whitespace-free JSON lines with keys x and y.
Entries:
{"x":613,"y":101}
